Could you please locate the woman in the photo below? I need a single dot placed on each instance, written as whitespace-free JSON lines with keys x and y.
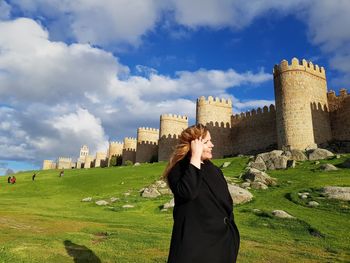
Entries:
{"x":204,"y":229}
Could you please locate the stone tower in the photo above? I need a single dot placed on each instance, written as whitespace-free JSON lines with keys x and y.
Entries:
{"x":84,"y":151}
{"x":216,"y":115}
{"x":302,"y":117}
{"x":101,"y":159}
{"x":171,"y":127}
{"x":114,"y":149}
{"x":129,"y":150}
{"x":147,"y":145}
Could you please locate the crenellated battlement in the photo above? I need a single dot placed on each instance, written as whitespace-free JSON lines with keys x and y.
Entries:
{"x":217,"y":101}
{"x":116,"y":143}
{"x":129,"y":143}
{"x":342,"y":93}
{"x":147,"y":129}
{"x":296,"y":65}
{"x":174,"y":117}
{"x":254,"y":112}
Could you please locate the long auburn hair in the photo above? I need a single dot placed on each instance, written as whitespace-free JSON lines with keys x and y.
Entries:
{"x":183,"y":148}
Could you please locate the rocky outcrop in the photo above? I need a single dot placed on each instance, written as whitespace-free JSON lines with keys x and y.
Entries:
{"x":319,"y":154}
{"x":239,"y":195}
{"x":335,"y":192}
{"x":254,"y":175}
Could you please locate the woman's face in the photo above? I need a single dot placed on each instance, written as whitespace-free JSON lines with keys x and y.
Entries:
{"x":207,"y":147}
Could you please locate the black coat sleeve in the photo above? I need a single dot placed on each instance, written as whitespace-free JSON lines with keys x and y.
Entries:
{"x":185,"y":180}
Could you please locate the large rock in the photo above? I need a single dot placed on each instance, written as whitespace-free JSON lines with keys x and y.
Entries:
{"x":328,"y":167}
{"x":274,"y":159}
{"x":239,"y":195}
{"x":319,"y":154}
{"x":255,"y":175}
{"x":296,"y":155}
{"x":258,"y":185}
{"x":281,"y":214}
{"x":150,"y":193}
{"x":258,"y":164}
{"x":335,"y":192}
{"x":101,"y":202}
{"x":170,"y":204}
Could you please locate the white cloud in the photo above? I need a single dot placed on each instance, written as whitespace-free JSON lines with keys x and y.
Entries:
{"x":99,"y":22}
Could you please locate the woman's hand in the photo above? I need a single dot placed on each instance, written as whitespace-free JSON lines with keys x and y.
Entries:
{"x":196,"y":152}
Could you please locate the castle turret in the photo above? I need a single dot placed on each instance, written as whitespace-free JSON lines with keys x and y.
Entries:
{"x":115,"y":149}
{"x":171,"y":127}
{"x":84,"y":151}
{"x":49,"y":164}
{"x":147,"y":145}
{"x":101,"y":159}
{"x":129,"y":149}
{"x":302,"y":117}
{"x":216,"y":115}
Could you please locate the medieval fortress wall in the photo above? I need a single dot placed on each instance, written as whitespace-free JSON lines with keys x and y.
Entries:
{"x":147,"y":145}
{"x":305,"y":115}
{"x":171,"y":127}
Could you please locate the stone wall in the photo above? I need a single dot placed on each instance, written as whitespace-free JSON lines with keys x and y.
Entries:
{"x":101,"y":159}
{"x":340,"y":115}
{"x":254,"y":131}
{"x":49,"y":164}
{"x":216,"y":115}
{"x":171,"y":127}
{"x":129,"y":150}
{"x":297,"y":86}
{"x":147,"y":145}
{"x":115,"y":149}
{"x":89,"y":161}
{"x":64,"y":163}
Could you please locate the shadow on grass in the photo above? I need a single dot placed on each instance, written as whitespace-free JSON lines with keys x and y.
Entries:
{"x":80,"y":254}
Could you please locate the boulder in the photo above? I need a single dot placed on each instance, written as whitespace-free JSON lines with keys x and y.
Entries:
{"x":328,"y":167}
{"x":258,"y":164}
{"x":296,"y":155}
{"x":101,"y":202}
{"x":239,"y":195}
{"x":281,"y":214}
{"x":150,"y":193}
{"x":170,"y":204}
{"x":258,"y":185}
{"x":137,"y":164}
{"x":114,"y":199}
{"x":319,"y":154}
{"x":245,"y":185}
{"x":256,"y":175}
{"x":335,"y":192}
{"x":87,"y":199}
{"x":273,"y":160}
{"x":128,"y":206}
{"x":313,"y":204}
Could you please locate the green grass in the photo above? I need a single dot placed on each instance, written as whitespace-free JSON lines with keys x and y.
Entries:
{"x":45,"y":220}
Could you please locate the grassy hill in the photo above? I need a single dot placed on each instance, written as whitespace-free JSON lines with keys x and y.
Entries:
{"x":45,"y":220}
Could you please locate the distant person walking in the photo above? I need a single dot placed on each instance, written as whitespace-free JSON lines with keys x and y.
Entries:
{"x":61,"y":173}
{"x":9,"y":179}
{"x":13,"y":180}
{"x":33,"y":177}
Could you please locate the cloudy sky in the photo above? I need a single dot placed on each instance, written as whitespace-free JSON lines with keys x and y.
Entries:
{"x":76,"y":72}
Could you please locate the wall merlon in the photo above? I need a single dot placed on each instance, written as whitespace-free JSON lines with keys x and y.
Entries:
{"x":115,"y":143}
{"x":217,"y":101}
{"x":174,"y":117}
{"x":295,"y":65}
{"x":254,"y":112}
{"x":147,"y":129}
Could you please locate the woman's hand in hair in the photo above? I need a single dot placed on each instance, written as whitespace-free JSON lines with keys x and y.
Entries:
{"x":196,"y":152}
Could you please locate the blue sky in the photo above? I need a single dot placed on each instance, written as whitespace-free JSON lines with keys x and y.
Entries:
{"x":86,"y":72}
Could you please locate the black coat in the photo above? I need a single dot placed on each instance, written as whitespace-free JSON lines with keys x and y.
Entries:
{"x":204,"y":229}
